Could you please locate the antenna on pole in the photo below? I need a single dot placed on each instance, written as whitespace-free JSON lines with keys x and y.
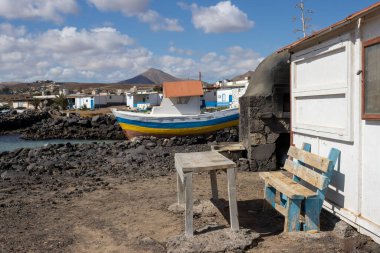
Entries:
{"x":305,"y":20}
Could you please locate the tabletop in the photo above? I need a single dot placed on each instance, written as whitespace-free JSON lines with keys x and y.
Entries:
{"x":202,"y":161}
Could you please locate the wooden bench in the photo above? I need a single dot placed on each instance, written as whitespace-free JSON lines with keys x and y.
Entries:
{"x":302,"y":195}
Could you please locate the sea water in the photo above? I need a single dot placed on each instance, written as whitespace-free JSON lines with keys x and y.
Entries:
{"x":12,"y":142}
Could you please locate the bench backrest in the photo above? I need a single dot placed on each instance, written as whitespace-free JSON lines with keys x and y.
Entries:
{"x":310,"y":167}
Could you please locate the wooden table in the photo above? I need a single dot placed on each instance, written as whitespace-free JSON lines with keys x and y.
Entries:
{"x":186,"y":164}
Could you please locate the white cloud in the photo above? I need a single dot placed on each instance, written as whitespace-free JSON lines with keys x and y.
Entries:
{"x":139,"y":9}
{"x":37,"y":9}
{"x":173,"y":49}
{"x":105,"y":54}
{"x":237,"y":60}
{"x":129,"y":7}
{"x":8,"y":29}
{"x":158,"y":23}
{"x":219,"y":18}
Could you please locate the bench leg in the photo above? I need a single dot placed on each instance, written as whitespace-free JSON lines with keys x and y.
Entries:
{"x":292,"y":220}
{"x":214,"y":185}
{"x":231,"y":176}
{"x":283,"y":199}
{"x":270,"y":196}
{"x":312,"y":213}
{"x":188,"y":178}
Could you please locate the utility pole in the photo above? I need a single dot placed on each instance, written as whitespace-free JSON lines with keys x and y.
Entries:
{"x":305,"y":20}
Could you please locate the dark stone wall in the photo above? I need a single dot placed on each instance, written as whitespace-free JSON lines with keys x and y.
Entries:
{"x":264,"y":113}
{"x":259,"y":130}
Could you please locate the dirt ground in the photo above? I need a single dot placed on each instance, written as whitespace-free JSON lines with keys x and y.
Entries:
{"x":133,"y":216}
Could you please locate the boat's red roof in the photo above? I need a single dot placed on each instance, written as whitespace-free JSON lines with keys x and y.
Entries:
{"x":187,"y":88}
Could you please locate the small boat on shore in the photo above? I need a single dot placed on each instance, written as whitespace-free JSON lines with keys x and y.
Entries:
{"x":178,"y":115}
{"x":141,"y":124}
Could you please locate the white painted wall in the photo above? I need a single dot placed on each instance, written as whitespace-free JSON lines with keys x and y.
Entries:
{"x":149,"y":99}
{"x":22,"y":104}
{"x":99,"y":101}
{"x":171,"y":106}
{"x":236,"y":94}
{"x":129,"y":99}
{"x":210,"y":98}
{"x":223,"y":96}
{"x":326,"y":112}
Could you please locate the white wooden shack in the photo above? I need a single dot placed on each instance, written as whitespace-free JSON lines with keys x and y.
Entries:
{"x":335,"y":102}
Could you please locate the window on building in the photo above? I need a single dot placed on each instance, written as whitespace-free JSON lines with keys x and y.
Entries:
{"x":371,"y":79}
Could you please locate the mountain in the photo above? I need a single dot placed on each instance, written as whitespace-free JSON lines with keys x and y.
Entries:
{"x":151,"y":76}
{"x":243,"y":76}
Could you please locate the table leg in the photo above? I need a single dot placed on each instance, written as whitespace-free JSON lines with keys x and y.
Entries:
{"x":231,"y":176}
{"x":188,"y":178}
{"x":214,"y":185}
{"x":180,"y":191}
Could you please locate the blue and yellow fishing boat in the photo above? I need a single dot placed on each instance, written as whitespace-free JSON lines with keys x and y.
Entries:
{"x":179,"y":114}
{"x":140,"y":124}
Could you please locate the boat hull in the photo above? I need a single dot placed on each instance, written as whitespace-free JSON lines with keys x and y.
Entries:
{"x":134,"y":124}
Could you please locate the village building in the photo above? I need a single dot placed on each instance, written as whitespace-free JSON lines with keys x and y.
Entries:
{"x":182,"y":97}
{"x":22,"y":104}
{"x":4,"y":103}
{"x":143,"y":99}
{"x":229,"y":96}
{"x":229,"y":92}
{"x":209,"y":99}
{"x":84,"y":101}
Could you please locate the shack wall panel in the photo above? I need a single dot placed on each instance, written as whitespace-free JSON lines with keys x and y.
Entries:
{"x":324,"y":116}
{"x":329,"y":72}
{"x":370,"y":148}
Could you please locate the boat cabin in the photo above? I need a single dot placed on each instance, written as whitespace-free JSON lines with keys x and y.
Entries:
{"x":180,"y":98}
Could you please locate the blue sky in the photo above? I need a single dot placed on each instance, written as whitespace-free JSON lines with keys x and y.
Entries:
{"x":113,"y":40}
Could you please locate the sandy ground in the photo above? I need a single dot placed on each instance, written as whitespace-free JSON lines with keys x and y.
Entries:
{"x":133,"y":216}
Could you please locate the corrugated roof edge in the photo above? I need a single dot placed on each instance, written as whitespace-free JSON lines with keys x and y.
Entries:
{"x":341,"y":23}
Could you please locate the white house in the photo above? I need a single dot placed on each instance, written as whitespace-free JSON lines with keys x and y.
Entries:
{"x":224,"y":97}
{"x":229,"y":96}
{"x":229,"y":92}
{"x":24,"y":104}
{"x":209,"y":98}
{"x":96,"y":101}
{"x":335,"y":97}
{"x":143,"y":99}
{"x":226,"y":83}
{"x":181,"y":97}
